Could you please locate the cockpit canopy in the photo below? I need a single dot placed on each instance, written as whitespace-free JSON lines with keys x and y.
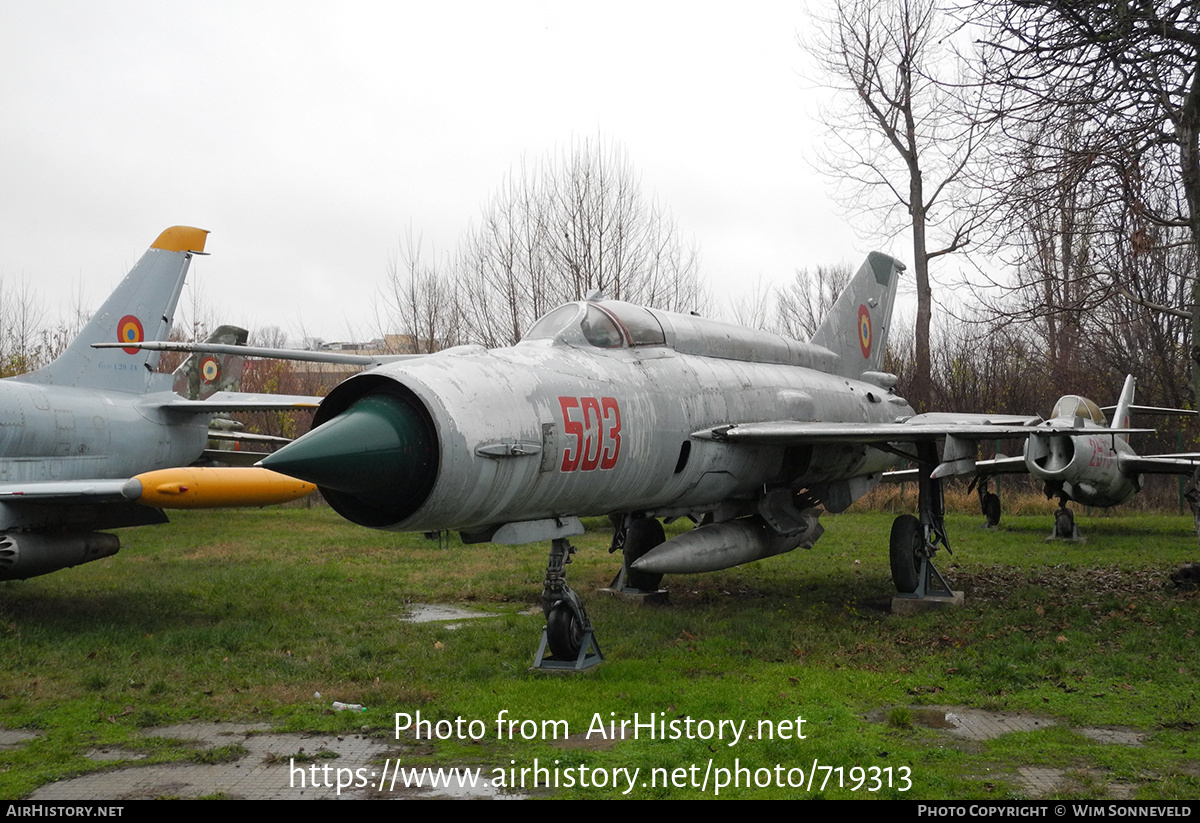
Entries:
{"x":1071,"y":406}
{"x":610,"y":324}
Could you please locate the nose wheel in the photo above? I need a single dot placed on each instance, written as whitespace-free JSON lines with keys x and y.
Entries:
{"x":564,"y":631}
{"x":568,"y":636}
{"x":1064,"y":523}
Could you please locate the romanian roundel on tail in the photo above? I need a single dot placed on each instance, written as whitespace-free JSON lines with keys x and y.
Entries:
{"x":202,"y":375}
{"x":141,"y":308}
{"x":857,"y":326}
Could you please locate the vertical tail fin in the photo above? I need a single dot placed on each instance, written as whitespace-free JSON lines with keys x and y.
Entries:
{"x":1120,"y":419}
{"x":141,"y":308}
{"x":857,"y":326}
{"x":202,"y":375}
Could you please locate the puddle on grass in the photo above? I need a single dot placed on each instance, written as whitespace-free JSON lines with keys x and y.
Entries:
{"x":971,"y":724}
{"x":597,"y":743}
{"x":932,"y":719}
{"x":273,"y":766}
{"x":14,"y":737}
{"x":434,"y":613}
{"x":1121,"y":737}
{"x":976,"y":725}
{"x":114,"y":754}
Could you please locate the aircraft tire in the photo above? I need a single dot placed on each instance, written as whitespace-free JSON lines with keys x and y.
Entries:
{"x":564,"y":631}
{"x":643,"y":534}
{"x":903,"y":551}
{"x":991,"y":509}
{"x":1064,"y":523}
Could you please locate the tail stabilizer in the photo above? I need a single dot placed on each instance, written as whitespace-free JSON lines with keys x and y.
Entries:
{"x":141,"y":308}
{"x":1120,"y":418}
{"x":856,"y":328}
{"x":202,"y":375}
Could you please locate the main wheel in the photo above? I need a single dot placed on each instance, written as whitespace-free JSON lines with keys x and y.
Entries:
{"x":991,"y":509}
{"x":564,"y":631}
{"x":905,"y":553}
{"x":642,"y":535}
{"x":1064,"y":523}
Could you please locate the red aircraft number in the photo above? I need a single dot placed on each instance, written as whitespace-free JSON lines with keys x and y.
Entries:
{"x":1101,"y":455}
{"x":593,"y":425}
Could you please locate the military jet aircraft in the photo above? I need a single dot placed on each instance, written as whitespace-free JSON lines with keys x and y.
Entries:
{"x":202,"y":375}
{"x":611,"y":408}
{"x":76,"y":435}
{"x":1079,"y":456}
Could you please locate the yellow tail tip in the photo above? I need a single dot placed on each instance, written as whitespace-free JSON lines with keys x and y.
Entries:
{"x":181,"y":238}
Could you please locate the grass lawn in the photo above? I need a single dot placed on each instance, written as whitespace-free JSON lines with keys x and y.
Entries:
{"x":246,"y":615}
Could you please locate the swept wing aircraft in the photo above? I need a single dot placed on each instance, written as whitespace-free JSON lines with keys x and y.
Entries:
{"x":81,"y":438}
{"x":1080,"y":457}
{"x":202,"y":375}
{"x":611,"y":408}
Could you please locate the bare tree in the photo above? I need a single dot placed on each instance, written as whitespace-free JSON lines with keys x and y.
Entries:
{"x":1049,"y":232}
{"x":22,"y":347}
{"x":558,"y":230}
{"x":1129,"y":74}
{"x":802,"y":304}
{"x":753,"y":305}
{"x":419,"y":302}
{"x":904,"y":144}
{"x":506,"y":267}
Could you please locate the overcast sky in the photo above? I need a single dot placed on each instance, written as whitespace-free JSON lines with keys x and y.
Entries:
{"x":309,"y":136}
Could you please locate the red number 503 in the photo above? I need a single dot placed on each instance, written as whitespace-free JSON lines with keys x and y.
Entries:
{"x":594,"y":426}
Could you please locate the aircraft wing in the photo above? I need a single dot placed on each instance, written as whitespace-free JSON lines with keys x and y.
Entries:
{"x":186,"y":488}
{"x":920,"y":428}
{"x":238,"y":453}
{"x":232,"y":458}
{"x":248,"y":437}
{"x":999,"y":465}
{"x":796,"y":433}
{"x":340,"y":358}
{"x":1153,"y":410}
{"x":240,"y":401}
{"x":959,"y":432}
{"x":1131,"y":464}
{"x":63,"y":491}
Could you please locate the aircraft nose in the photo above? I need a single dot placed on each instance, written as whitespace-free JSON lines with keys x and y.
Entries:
{"x":376,"y":460}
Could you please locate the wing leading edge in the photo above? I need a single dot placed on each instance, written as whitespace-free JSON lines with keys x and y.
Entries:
{"x":960,"y":433}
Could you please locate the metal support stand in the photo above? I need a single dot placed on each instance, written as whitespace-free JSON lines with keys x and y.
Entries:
{"x":589,"y":655}
{"x":1065,"y":528}
{"x":568,"y":634}
{"x":931,"y":502}
{"x":930,"y":582}
{"x":931,"y":589}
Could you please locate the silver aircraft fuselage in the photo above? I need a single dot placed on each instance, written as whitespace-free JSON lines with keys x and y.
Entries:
{"x":580,"y":433}
{"x":51,"y":433}
{"x":574,"y":421}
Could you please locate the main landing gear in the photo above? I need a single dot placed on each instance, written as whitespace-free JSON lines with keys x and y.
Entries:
{"x":915,"y":540}
{"x":568,"y":634}
{"x":989,"y":502}
{"x":1064,"y":523}
{"x":633,"y":537}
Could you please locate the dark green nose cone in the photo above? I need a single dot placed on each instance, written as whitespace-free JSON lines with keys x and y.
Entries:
{"x":375,"y":462}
